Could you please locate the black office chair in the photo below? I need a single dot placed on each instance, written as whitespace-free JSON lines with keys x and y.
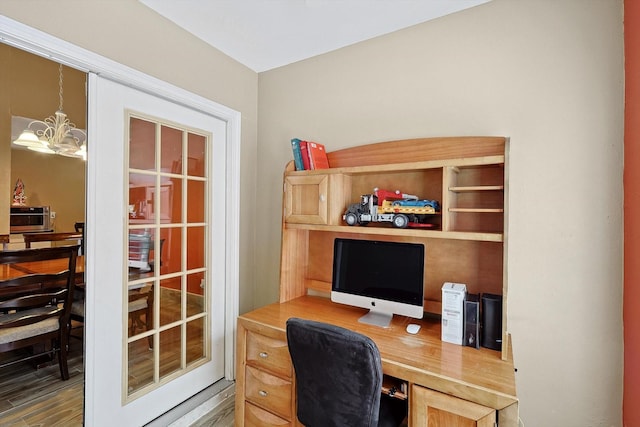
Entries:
{"x":339,"y":378}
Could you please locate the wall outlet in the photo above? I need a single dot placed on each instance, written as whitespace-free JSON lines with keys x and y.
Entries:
{"x":53,"y":215}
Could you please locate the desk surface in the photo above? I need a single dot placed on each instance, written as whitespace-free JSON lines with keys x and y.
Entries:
{"x":477,"y":374}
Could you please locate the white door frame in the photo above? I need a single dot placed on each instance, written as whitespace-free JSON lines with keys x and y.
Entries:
{"x":39,"y":43}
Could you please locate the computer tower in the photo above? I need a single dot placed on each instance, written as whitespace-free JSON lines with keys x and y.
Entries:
{"x":491,"y":326}
{"x":471,"y":336}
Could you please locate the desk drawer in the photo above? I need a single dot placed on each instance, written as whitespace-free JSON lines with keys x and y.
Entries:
{"x":268,"y":391}
{"x":269,"y":354}
{"x":257,"y":417}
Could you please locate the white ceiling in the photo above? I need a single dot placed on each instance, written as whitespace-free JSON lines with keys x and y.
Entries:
{"x":266,"y":34}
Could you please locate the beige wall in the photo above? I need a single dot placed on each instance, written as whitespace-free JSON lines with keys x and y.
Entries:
{"x":32,"y":91}
{"x":55,"y":181}
{"x":548,"y":74}
{"x":128,"y":32}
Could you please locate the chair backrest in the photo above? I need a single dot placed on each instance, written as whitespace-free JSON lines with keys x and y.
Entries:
{"x":72,"y":238}
{"x":338,"y":374}
{"x":38,"y":285}
{"x":79,"y":227}
{"x":140,"y":245}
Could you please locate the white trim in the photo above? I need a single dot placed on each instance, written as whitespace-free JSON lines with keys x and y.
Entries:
{"x":39,"y":43}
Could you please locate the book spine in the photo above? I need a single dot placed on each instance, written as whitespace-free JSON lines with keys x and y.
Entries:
{"x":297,"y":154}
{"x":311,"y":147}
{"x":304,"y":150}
{"x":318,"y":156}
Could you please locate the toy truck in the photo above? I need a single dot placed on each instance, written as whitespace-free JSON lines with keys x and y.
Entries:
{"x":400,"y":209}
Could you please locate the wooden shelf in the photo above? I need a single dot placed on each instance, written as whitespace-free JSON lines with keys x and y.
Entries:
{"x":400,"y":167}
{"x":477,"y":210}
{"x":405,"y":232}
{"x":477,"y":188}
{"x":395,"y":387}
{"x":466,"y":237}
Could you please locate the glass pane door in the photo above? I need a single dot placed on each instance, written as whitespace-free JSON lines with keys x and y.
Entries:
{"x":166,"y":285}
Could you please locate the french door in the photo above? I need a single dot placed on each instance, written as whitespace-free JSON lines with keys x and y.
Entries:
{"x":156,"y":254}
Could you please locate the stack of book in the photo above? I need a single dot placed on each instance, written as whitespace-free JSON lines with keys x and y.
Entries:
{"x":309,"y":155}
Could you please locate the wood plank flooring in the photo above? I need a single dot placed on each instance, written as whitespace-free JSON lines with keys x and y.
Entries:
{"x":220,"y":416}
{"x":38,"y":397}
{"x":32,"y":397}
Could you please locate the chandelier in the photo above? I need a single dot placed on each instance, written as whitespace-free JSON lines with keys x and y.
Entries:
{"x":55,"y":134}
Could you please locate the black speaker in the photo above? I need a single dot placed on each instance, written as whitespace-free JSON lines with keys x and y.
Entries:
{"x":491,"y":325}
{"x":471,"y":337}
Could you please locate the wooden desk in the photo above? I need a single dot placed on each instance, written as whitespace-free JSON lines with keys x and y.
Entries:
{"x":466,"y":379}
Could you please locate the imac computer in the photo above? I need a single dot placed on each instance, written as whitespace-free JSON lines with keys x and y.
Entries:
{"x":385,"y":277}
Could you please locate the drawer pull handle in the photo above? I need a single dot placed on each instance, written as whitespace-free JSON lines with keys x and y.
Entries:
{"x":264,"y":355}
{"x":263,"y":393}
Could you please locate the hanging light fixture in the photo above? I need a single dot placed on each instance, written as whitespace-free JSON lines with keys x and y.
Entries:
{"x":55,"y":134}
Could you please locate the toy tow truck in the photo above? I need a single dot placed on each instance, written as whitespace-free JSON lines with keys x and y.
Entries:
{"x":402,"y":210}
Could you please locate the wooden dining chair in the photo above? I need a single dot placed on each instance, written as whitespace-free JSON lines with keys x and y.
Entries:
{"x":65,"y":239}
{"x":141,"y":261}
{"x":56,"y":239}
{"x":79,"y":227}
{"x":77,"y":309}
{"x":35,"y":301}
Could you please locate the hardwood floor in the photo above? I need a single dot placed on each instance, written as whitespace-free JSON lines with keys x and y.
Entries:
{"x":38,"y":397}
{"x":220,"y":416}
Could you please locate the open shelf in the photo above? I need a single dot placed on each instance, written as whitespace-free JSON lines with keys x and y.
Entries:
{"x":403,"y":232}
{"x":395,"y":387}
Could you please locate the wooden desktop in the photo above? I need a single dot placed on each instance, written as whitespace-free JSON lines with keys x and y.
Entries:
{"x":468,"y":380}
{"x":466,"y":243}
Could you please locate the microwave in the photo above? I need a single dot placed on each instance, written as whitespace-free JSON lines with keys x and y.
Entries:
{"x":25,"y":219}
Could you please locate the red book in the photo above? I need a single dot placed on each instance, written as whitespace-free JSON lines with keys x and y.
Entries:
{"x":305,"y":155}
{"x":317,"y":156}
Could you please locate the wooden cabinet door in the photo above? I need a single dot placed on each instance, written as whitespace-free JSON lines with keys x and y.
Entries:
{"x":433,"y":409}
{"x":306,"y":199}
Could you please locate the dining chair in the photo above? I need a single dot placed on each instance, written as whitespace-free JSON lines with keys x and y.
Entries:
{"x":79,"y":227}
{"x":35,"y":301}
{"x":338,"y":375}
{"x":66,"y":238}
{"x":142,"y":261}
{"x":58,"y":239}
{"x":77,"y":309}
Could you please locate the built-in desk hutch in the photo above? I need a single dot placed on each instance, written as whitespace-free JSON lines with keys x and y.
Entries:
{"x":465,"y":243}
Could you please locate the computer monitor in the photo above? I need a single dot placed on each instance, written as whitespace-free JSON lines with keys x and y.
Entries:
{"x":385,"y":277}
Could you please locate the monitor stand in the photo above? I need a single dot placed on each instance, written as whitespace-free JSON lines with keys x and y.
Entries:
{"x":377,"y":318}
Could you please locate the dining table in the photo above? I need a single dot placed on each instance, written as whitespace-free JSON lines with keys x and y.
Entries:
{"x":53,"y":266}
{"x":49,"y":266}
{"x":8,"y":271}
